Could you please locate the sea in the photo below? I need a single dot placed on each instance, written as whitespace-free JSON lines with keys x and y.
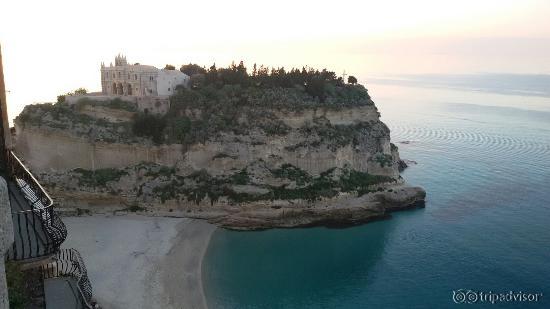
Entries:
{"x":480,"y":146}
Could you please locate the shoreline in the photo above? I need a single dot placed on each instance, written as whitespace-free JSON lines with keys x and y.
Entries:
{"x":193,"y":235}
{"x":344,"y":210}
{"x":137,"y":261}
{"x":154,"y":259}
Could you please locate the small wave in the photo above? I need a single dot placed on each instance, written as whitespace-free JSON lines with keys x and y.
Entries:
{"x":504,"y":145}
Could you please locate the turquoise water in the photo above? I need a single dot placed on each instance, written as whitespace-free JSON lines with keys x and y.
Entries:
{"x":486,"y":227}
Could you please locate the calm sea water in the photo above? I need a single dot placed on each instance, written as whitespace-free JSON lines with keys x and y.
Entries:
{"x":483,"y":158}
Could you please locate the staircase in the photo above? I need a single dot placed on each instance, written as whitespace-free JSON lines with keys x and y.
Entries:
{"x":66,"y":279}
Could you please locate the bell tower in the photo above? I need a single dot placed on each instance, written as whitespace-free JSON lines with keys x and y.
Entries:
{"x":120,"y":60}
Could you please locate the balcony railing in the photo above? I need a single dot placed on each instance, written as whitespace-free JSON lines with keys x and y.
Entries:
{"x":38,"y":229}
{"x":68,"y":264}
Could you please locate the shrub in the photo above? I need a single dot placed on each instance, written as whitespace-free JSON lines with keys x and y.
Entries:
{"x":384,"y":159}
{"x":149,"y":126}
{"x":240,"y":178}
{"x":135,"y":208}
{"x":222,"y":155}
{"x":192,"y":69}
{"x":291,"y":172}
{"x":98,"y":177}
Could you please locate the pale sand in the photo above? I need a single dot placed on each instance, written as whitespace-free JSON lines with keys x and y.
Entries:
{"x":142,"y":262}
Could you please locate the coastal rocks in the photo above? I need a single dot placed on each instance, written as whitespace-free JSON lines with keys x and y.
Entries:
{"x":402,"y":165}
{"x":326,"y":165}
{"x":331,"y":213}
{"x":402,"y":197}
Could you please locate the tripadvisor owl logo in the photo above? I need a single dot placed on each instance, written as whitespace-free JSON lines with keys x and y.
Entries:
{"x":463,"y":296}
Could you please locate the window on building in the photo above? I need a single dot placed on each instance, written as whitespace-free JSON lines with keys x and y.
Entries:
{"x":135,"y":76}
{"x":168,"y":89}
{"x":128,"y":75}
{"x":118,"y":74}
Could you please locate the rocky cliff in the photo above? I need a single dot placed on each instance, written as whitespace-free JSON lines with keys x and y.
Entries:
{"x":241,"y":158}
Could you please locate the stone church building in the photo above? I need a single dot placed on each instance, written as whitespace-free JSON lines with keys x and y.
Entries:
{"x":139,"y":80}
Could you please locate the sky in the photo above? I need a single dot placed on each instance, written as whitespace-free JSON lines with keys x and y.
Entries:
{"x":52,"y":47}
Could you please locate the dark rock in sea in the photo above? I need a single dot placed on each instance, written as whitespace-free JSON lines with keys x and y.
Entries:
{"x":401,"y":165}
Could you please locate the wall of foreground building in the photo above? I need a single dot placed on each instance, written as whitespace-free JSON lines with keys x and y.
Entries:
{"x":6,"y":240}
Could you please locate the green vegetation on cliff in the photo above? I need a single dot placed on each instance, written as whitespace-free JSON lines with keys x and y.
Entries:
{"x":99,"y":177}
{"x":287,"y":182}
{"x":115,"y":103}
{"x":306,"y":187}
{"x":220,"y":100}
{"x":321,"y":86}
{"x":198,"y":114}
{"x":65,"y":117}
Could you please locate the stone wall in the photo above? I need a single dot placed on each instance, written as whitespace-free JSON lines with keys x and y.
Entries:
{"x":156,"y":104}
{"x":152,"y":104}
{"x":6,"y":240}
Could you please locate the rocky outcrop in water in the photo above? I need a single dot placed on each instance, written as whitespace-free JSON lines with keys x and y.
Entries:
{"x":278,"y":165}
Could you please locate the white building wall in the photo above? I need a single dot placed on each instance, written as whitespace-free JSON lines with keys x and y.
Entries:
{"x":168,"y":80}
{"x":138,"y":80}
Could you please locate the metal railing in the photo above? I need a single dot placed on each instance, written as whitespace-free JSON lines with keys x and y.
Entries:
{"x":68,"y":263}
{"x":19,"y":173}
{"x":39,"y":230}
{"x":31,"y":235}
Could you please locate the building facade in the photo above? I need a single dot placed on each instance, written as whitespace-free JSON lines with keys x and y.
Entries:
{"x":139,"y":80}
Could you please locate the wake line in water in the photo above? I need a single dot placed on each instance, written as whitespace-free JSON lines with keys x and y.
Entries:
{"x":504,"y":145}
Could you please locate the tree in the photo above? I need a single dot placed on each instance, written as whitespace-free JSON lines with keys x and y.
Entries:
{"x":80,"y":91}
{"x":352,"y":80}
{"x":197,"y":80}
{"x":316,"y":88}
{"x":149,"y":126}
{"x":192,"y":69}
{"x":212,"y":75}
{"x":61,"y":98}
{"x":169,"y":67}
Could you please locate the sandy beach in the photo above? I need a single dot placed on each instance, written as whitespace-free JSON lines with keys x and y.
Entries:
{"x":142,"y":262}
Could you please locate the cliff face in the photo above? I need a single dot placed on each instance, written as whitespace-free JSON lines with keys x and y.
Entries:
{"x":46,"y":148}
{"x":276,"y":167}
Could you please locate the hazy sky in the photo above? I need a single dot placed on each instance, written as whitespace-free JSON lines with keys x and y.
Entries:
{"x":51,"y":47}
